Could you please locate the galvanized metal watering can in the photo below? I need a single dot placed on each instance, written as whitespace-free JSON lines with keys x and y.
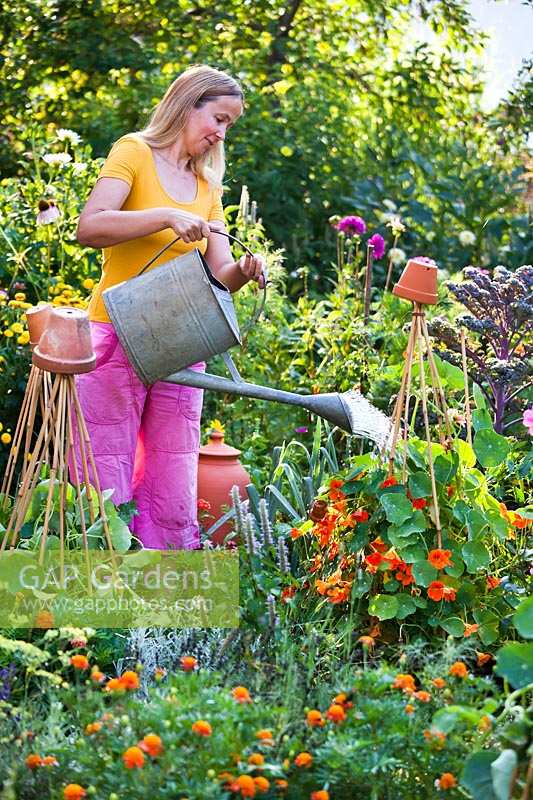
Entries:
{"x":179,"y":313}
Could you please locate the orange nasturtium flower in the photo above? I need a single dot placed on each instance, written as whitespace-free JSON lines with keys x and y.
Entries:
{"x":446,"y":781}
{"x":320,"y":795}
{"x":188,"y":663}
{"x":33,"y":761}
{"x":241,"y":694}
{"x":79,"y":662}
{"x":470,"y":629}
{"x":404,"y":682}
{"x":439,"y":591}
{"x":303,"y":759}
{"x":262,"y":784}
{"x":74,"y":792}
{"x":245,"y":785}
{"x":440,"y":558}
{"x":202,"y":727}
{"x":388,"y":482}
{"x":336,"y":713}
{"x":367,"y":641}
{"x":458,"y":669}
{"x":492,"y":582}
{"x":315,"y":719}
{"x":133,"y":758}
{"x":483,"y":658}
{"x":151,"y":744}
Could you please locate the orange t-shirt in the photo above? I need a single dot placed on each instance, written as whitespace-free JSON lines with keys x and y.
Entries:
{"x":132,"y":161}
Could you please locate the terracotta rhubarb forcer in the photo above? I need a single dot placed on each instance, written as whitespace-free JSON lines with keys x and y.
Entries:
{"x":65,"y":345}
{"x":219,"y":469}
{"x":37,"y":319}
{"x":418,"y":281}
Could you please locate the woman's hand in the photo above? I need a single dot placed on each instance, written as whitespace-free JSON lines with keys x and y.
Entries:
{"x":252,"y":267}
{"x":189,"y":227}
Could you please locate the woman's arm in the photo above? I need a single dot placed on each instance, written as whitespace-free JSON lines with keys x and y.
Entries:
{"x":233,"y":274}
{"x":103,"y":224}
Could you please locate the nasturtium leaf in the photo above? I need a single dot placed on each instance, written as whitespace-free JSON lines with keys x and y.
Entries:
{"x":445,"y":467}
{"x":481,"y":419}
{"x":415,"y":524}
{"x":457,"y":566}
{"x":460,"y":511}
{"x":477,"y":776}
{"x":450,"y":375}
{"x":406,"y":606}
{"x":419,"y":484}
{"x":120,"y":535}
{"x":475,"y":555}
{"x":362,"y":586}
{"x":424,"y":573}
{"x":453,"y":625}
{"x":476,"y":523}
{"x":523,"y":618}
{"x":412,"y":553}
{"x":479,"y":397}
{"x":514,"y":661}
{"x":399,"y":541}
{"x":383,"y":606}
{"x":467,"y":457}
{"x":466,"y":593}
{"x":490,"y":448}
{"x":397,"y":507}
{"x":497,"y":524}
{"x":503,"y":770}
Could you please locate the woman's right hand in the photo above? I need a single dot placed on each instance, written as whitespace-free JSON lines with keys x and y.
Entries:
{"x":189,"y":227}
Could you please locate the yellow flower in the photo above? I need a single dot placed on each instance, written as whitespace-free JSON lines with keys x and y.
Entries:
{"x":20,"y":296}
{"x":17,"y":327}
{"x":286,"y":151}
{"x":1,"y":427}
{"x":24,"y":338}
{"x":5,"y":438}
{"x":8,"y":333}
{"x":216,"y":425}
{"x":88,"y":283}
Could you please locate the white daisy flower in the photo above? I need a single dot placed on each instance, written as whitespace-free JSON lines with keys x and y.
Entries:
{"x":467,"y":238}
{"x":65,"y":134}
{"x":57,"y":158}
{"x":396,"y":255}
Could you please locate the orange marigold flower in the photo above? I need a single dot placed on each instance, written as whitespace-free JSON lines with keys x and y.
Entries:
{"x":114,"y":685}
{"x":320,"y":795}
{"x":388,"y":482}
{"x":439,"y":591}
{"x":282,"y":784}
{"x":440,"y":558}
{"x":367,"y":641}
{"x":264,"y":734}
{"x":262,"y":784}
{"x":409,"y":709}
{"x":419,"y":502}
{"x":483,"y":658}
{"x":133,"y":758}
{"x":440,"y":683}
{"x":33,"y":761}
{"x":492,"y":582}
{"x":97,"y":676}
{"x":93,"y":727}
{"x":241,"y":694}
{"x":151,"y":744}
{"x":79,"y":662}
{"x":469,"y":630}
{"x":74,"y":792}
{"x":458,"y":669}
{"x":49,"y":761}
{"x":336,"y":713}
{"x":129,"y":680}
{"x":245,"y":785}
{"x":433,"y":734}
{"x":202,"y":727}
{"x":257,"y":759}
{"x":315,"y":719}
{"x":404,"y":682}
{"x":423,"y":696}
{"x":188,"y":663}
{"x":303,"y":759}
{"x":446,"y":781}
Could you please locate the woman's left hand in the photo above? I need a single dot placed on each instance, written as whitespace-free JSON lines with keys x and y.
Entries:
{"x":252,"y":267}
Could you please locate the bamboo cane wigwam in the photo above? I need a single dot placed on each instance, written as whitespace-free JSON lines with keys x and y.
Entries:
{"x":62,"y":446}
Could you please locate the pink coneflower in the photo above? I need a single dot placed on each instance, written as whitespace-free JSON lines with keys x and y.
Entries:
{"x":527,"y":420}
{"x":351,"y":226}
{"x":379,"y":246}
{"x":48,"y":212}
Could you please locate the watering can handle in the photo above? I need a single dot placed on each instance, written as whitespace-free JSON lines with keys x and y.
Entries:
{"x":258,"y":310}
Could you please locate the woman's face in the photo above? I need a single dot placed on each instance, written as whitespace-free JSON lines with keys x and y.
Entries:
{"x":208,"y":125}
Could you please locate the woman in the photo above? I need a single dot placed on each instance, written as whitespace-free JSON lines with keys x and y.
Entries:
{"x":160,"y":182}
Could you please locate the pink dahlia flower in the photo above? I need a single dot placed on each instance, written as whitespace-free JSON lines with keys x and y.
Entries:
{"x":351,"y":226}
{"x":379,"y":246}
{"x":527,"y":419}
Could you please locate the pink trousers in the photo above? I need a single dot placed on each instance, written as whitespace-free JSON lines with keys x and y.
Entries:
{"x":145,"y":442}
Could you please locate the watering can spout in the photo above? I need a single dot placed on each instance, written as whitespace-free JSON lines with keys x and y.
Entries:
{"x":350,"y":411}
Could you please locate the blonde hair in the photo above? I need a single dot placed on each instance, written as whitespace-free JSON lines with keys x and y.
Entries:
{"x":192,"y":89}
